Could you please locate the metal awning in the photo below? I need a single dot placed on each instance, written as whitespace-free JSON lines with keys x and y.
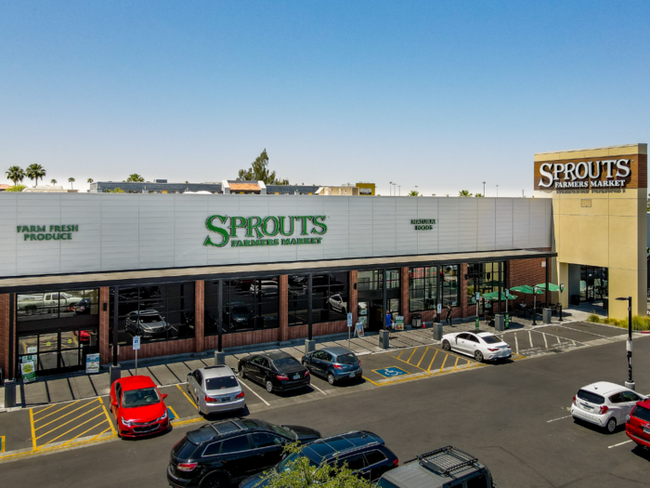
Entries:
{"x":127,"y":277}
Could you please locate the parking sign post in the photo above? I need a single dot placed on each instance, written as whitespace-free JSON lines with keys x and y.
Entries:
{"x":136,"y":348}
{"x":349,"y":328}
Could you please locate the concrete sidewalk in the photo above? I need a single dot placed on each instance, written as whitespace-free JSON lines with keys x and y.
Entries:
{"x":172,"y":370}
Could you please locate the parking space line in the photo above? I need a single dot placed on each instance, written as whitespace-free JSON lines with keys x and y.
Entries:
{"x":47,"y":408}
{"x":545,"y":342}
{"x":75,"y":427}
{"x":314,"y":386}
{"x":620,"y":444}
{"x":560,"y":418}
{"x":434,"y":358}
{"x":31,"y":423}
{"x":530,"y":339}
{"x":400,"y":354}
{"x":456,"y":363}
{"x":69,"y":421}
{"x":254,"y":393}
{"x":406,"y":362}
{"x":108,"y":418}
{"x":443,"y":363}
{"x":468,"y":364}
{"x":409,"y":359}
{"x":84,"y":432}
{"x":104,"y":432}
{"x":422,"y":358}
{"x":2,"y":443}
{"x":52,"y":413}
{"x":516,"y":344}
{"x":187,"y":396}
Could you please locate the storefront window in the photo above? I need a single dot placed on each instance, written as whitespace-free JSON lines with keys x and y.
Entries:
{"x":483,"y":278}
{"x":247,"y":305}
{"x":329,"y":298}
{"x":155,"y":313}
{"x":374,"y":280}
{"x":450,"y":288}
{"x":56,"y":304}
{"x":423,"y":288}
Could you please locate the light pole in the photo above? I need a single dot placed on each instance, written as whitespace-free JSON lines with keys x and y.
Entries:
{"x":399,"y":188}
{"x":390,"y":191}
{"x":484,"y":188}
{"x":534,"y":305}
{"x":629,"y":383}
{"x":561,"y":290}
{"x":497,"y":191}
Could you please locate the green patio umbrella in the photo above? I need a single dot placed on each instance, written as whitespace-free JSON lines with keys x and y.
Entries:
{"x":527,"y":289}
{"x":494,"y":295}
{"x":551,"y":287}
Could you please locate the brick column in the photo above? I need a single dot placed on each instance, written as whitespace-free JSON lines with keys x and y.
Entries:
{"x":353,"y":296}
{"x":4,"y":334}
{"x":105,"y":356}
{"x":283,"y":296}
{"x":404,"y":292}
{"x":199,"y":304}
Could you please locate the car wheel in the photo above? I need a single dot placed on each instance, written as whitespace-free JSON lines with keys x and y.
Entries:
{"x":445,"y":345}
{"x":330,"y":378}
{"x":214,"y":480}
{"x":269,"y":386}
{"x":611,"y":425}
{"x":478,"y":355}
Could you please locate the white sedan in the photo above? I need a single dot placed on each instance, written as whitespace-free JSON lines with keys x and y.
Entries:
{"x":480,"y":345}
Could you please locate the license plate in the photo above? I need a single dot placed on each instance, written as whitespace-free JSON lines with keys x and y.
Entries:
{"x":225,"y":399}
{"x":352,"y":375}
{"x":587,"y":407}
{"x":296,"y":376}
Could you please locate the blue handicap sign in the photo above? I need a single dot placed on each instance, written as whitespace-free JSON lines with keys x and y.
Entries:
{"x":390,"y":372}
{"x":171,"y":414}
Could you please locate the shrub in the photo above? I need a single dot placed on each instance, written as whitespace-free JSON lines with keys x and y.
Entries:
{"x":16,"y":188}
{"x":593,"y":318}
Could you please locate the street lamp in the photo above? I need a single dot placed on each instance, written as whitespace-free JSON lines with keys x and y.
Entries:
{"x":629,"y":383}
{"x":561,"y":290}
{"x":484,"y":188}
{"x":534,"y":305}
{"x":390,"y":191}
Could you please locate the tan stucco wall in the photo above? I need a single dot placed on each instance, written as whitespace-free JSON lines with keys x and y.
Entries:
{"x":611,"y":233}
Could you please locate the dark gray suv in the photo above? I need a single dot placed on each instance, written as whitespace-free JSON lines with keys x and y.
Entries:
{"x":446,"y":467}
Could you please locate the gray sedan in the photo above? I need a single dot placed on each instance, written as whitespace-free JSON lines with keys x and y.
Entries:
{"x":215,"y":389}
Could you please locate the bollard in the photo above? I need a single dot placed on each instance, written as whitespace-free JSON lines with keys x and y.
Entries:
{"x":546,"y":315}
{"x":219,"y":358}
{"x":499,"y":322}
{"x":384,"y":341}
{"x":437,"y":331}
{"x":116,"y":373}
{"x":10,"y":393}
{"x":309,"y":346}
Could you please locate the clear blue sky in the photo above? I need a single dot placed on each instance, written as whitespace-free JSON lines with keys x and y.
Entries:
{"x":439,"y":94}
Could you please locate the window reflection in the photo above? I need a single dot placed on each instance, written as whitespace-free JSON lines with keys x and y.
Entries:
{"x":329,"y":298}
{"x":56,"y":304}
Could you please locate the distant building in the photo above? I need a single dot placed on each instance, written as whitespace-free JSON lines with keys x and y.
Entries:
{"x":49,"y":189}
{"x":350,"y":191}
{"x":366,"y":189}
{"x":225,"y":186}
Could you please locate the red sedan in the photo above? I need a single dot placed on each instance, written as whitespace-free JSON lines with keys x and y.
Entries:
{"x":637,"y":426}
{"x":138,"y":407}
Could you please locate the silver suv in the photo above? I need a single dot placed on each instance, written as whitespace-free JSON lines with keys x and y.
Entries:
{"x":446,"y":467}
{"x":215,"y":389}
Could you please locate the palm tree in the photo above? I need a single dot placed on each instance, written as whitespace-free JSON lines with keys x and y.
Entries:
{"x":15,"y":174}
{"x":71,"y":180}
{"x":413,"y":193}
{"x":464,"y":193}
{"x":478,"y":195}
{"x":135,"y":178}
{"x":90,"y":180}
{"x":53,"y":181}
{"x":34,"y":172}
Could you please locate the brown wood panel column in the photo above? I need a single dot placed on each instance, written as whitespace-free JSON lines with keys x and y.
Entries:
{"x":283,"y":297}
{"x":404,"y":292}
{"x":199,"y":305}
{"x":465,"y":310}
{"x":4,"y":334}
{"x":353,"y":296}
{"x":105,"y":356}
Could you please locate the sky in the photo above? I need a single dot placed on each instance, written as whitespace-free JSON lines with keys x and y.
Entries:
{"x":435,"y":96}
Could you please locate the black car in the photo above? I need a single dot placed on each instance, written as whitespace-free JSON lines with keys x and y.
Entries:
{"x":276,"y":371}
{"x":221,"y":453}
{"x":334,"y":363}
{"x":82,"y":307}
{"x":361,"y":451}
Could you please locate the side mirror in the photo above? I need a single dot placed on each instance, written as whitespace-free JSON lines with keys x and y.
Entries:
{"x":114,"y":403}
{"x":164,"y":395}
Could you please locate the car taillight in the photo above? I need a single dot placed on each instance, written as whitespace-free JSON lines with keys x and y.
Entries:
{"x":359,"y":363}
{"x":493,"y":350}
{"x":282,"y":377}
{"x":338,"y":366}
{"x":210,"y":399}
{"x":186,"y":466}
{"x":508,"y":347}
{"x":241,"y":395}
{"x":574,"y":401}
{"x":306,"y":373}
{"x":604,"y":409}
{"x":396,"y":462}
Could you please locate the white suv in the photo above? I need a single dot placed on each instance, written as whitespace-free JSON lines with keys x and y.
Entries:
{"x":604,"y":404}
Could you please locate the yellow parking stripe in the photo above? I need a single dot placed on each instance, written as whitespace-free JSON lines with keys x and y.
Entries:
{"x":84,"y":432}
{"x":108,"y":418}
{"x":31,"y":422}
{"x":187,"y":396}
{"x":48,"y":407}
{"x":172,"y":411}
{"x":64,"y":415}
{"x":443,"y":363}
{"x":400,"y":354}
{"x":75,"y":427}
{"x":104,"y":432}
{"x":2,"y":443}
{"x":409,"y":359}
{"x":434,"y":358}
{"x":69,"y":421}
{"x":456,"y":363}
{"x":422,"y":358}
{"x":52,"y":413}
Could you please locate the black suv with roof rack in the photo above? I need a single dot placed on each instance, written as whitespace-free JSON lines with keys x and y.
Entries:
{"x":363,"y":452}
{"x":443,"y":468}
{"x":221,"y":453}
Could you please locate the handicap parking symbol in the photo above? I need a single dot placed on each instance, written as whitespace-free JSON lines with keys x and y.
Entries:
{"x":390,"y":372}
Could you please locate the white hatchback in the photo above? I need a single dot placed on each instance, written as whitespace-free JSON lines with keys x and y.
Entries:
{"x":481,"y":345}
{"x":604,"y":404}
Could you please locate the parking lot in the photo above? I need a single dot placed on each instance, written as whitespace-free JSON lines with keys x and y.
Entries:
{"x":45,"y":425}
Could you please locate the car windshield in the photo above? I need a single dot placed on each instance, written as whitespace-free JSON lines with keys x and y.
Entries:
{"x":220,"y":383}
{"x":641,"y":413}
{"x":347,"y":358}
{"x":148,"y":319}
{"x":490,"y":339}
{"x":282,"y":362}
{"x":283,"y":431}
{"x":285,"y":464}
{"x":591,"y":397}
{"x":140,"y":398}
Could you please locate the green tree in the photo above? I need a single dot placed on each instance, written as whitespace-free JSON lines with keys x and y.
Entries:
{"x":115,"y":190}
{"x":478,"y":195}
{"x":34,"y":172}
{"x":413,"y":193}
{"x":53,"y":181}
{"x":16,"y":188}
{"x":90,"y":180}
{"x":296,"y":471}
{"x":464,"y":193}
{"x":15,"y":174}
{"x":259,"y":172}
{"x":135,"y":178}
{"x":71,"y":180}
